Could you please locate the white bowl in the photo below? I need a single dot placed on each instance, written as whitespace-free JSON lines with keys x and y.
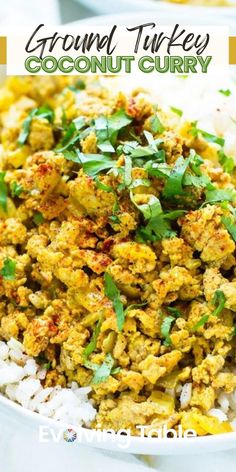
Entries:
{"x":18,"y":418}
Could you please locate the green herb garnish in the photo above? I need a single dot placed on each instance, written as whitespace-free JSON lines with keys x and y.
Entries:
{"x":230,"y":226}
{"x":16,"y":189}
{"x":220,"y":195}
{"x":165,"y":329}
{"x":8,"y":271}
{"x":113,"y":293}
{"x":93,"y":343}
{"x":177,"y":111}
{"x":44,"y":112}
{"x":103,"y":371}
{"x":155,"y":125}
{"x":174,"y":183}
{"x":211,"y":138}
{"x":38,"y":218}
{"x":219,"y":301}
{"x":3,"y":192}
{"x":93,"y":164}
{"x":203,"y":320}
{"x":226,"y":92}
{"x":227,"y":162}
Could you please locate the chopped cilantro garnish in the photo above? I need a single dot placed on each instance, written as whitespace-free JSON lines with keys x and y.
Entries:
{"x":44,"y":112}
{"x":226,"y":92}
{"x":155,"y":169}
{"x":3,"y":192}
{"x":155,"y":125}
{"x":38,"y":218}
{"x":140,"y":183}
{"x":114,"y":219}
{"x":16,"y":189}
{"x":107,"y":129}
{"x":174,"y":183}
{"x":8,"y":271}
{"x":103,"y":371}
{"x":211,"y":138}
{"x":150,"y":209}
{"x":128,"y":171}
{"x":134,"y":306}
{"x":113,"y":293}
{"x":101,"y":186}
{"x":220,"y":195}
{"x":93,"y":164}
{"x":93,"y":343}
{"x":203,"y":320}
{"x":219,"y":301}
{"x":174,"y":311}
{"x":79,"y":85}
{"x":165,"y":329}
{"x":230,"y":226}
{"x":167,"y":324}
{"x":227,"y":162}
{"x":177,"y":111}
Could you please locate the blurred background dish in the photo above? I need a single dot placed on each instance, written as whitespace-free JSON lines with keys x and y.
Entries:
{"x":171,"y":6}
{"x":162,"y":16}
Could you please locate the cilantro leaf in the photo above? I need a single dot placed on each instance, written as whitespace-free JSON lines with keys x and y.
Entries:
{"x":227,"y":162}
{"x":38,"y":218}
{"x":155,"y":125}
{"x":177,"y":111}
{"x":8,"y":270}
{"x":149,"y":210}
{"x":3,"y":192}
{"x":101,"y":186}
{"x":165,"y":329}
{"x":16,"y":189}
{"x":93,"y":343}
{"x":174,"y":311}
{"x":174,"y":183}
{"x":230,"y":226}
{"x":140,"y":183}
{"x":113,"y":293}
{"x":78,"y":86}
{"x":114,"y":219}
{"x":220,"y":195}
{"x":155,"y":169}
{"x":128,"y":171}
{"x":226,"y":92}
{"x":107,"y":129}
{"x":93,"y":164}
{"x":104,"y":371}
{"x":211,"y":138}
{"x":219,"y":301}
{"x":44,"y":112}
{"x":203,"y":320}
{"x":157,"y":228}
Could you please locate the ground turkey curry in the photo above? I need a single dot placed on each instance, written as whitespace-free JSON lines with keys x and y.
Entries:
{"x":117,"y":256}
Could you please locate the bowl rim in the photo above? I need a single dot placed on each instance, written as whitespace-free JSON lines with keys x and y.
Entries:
{"x":137,"y":443}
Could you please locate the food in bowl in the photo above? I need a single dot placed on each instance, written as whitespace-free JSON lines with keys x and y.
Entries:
{"x":117,"y":259}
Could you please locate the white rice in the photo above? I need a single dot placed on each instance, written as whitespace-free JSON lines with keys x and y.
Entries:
{"x":21,"y":381}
